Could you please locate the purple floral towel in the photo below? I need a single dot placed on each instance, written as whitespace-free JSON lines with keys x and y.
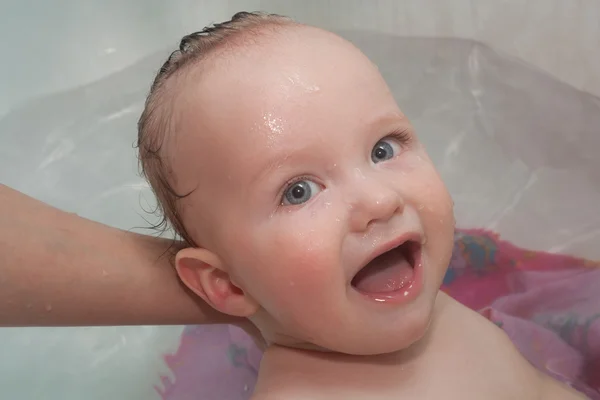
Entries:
{"x":548,"y":304}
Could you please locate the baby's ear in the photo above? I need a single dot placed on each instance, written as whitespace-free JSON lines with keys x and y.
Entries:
{"x":202,"y":272}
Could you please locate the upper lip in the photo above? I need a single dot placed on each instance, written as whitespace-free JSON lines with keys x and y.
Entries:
{"x":390,"y":245}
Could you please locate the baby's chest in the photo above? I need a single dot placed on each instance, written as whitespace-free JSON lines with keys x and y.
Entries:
{"x":492,"y":370}
{"x":463,"y":381}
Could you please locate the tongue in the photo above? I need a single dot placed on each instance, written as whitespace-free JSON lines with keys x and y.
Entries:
{"x":389,"y":272}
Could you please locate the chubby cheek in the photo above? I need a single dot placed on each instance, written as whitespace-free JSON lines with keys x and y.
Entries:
{"x":438,"y":221}
{"x":299,"y":268}
{"x":429,"y":195}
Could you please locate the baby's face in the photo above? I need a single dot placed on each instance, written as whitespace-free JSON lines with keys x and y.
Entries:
{"x":305,"y":170}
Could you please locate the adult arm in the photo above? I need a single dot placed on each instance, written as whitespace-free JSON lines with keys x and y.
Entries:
{"x":58,"y":269}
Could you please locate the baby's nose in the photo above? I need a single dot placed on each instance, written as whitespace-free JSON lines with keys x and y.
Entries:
{"x":374,"y":202}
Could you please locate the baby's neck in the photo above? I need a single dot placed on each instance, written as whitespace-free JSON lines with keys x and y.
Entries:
{"x":286,"y":369}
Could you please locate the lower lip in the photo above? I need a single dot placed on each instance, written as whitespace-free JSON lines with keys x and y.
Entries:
{"x":405,"y":294}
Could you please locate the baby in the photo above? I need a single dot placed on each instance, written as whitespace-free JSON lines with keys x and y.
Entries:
{"x":309,"y":206}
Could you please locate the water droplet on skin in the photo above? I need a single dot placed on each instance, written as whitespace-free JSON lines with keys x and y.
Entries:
{"x":359,"y":173}
{"x":421,"y":206}
{"x":245,"y":388}
{"x":376,"y":241}
{"x":275,"y":126}
{"x":48,"y":307}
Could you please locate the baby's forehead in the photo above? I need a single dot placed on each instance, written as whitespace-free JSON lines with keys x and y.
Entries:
{"x":280,"y":95}
{"x":283,"y":73}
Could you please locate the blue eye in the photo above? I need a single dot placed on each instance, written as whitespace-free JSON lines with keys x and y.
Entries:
{"x":300,"y":192}
{"x":382,"y":151}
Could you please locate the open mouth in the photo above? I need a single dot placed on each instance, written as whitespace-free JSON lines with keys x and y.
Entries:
{"x":390,"y":271}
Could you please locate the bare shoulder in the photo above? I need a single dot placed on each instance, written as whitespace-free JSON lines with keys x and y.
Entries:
{"x":492,"y":365}
{"x":554,"y":390}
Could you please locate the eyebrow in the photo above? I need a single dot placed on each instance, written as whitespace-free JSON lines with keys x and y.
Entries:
{"x":387,"y":118}
{"x":268,"y":167}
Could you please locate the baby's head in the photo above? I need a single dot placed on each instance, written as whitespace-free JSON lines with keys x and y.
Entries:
{"x":278,"y":153}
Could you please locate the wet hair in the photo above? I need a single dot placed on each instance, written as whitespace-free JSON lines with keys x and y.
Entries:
{"x":155,"y":123}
